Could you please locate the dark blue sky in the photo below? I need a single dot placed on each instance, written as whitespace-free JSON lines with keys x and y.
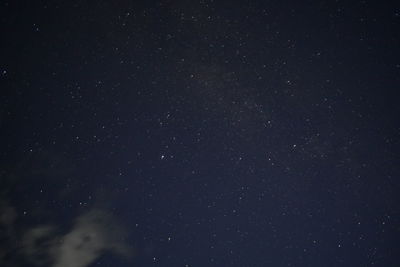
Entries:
{"x":199,"y":133}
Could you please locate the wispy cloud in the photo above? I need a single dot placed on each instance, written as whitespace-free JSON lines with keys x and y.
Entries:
{"x":91,"y":235}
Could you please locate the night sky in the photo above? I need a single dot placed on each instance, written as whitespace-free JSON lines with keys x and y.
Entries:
{"x":199,"y":133}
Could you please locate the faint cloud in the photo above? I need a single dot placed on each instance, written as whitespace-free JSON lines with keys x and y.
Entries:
{"x":93,"y":234}
{"x":37,"y":243}
{"x":7,"y":215}
{"x":8,"y":237}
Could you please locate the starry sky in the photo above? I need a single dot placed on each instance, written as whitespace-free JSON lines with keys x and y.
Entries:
{"x":199,"y":133}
